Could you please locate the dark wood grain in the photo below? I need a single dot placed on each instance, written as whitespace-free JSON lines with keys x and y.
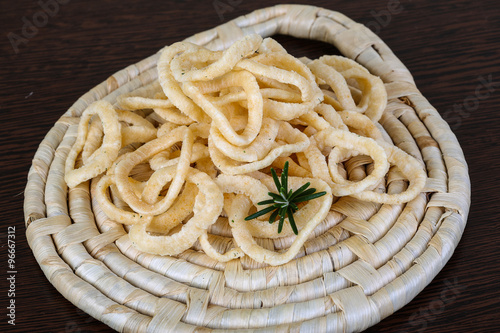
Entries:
{"x":451,"y":47}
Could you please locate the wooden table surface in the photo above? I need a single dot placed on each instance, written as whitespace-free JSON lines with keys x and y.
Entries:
{"x":451,"y":47}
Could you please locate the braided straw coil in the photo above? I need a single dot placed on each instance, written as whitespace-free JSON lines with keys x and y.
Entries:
{"x":367,"y":262}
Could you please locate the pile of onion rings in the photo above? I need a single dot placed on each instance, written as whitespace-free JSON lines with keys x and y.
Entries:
{"x":196,"y":146}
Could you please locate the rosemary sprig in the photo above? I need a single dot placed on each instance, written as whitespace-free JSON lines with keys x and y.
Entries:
{"x":284,"y":203}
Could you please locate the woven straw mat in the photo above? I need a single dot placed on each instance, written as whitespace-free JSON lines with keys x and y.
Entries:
{"x":347,"y":279}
